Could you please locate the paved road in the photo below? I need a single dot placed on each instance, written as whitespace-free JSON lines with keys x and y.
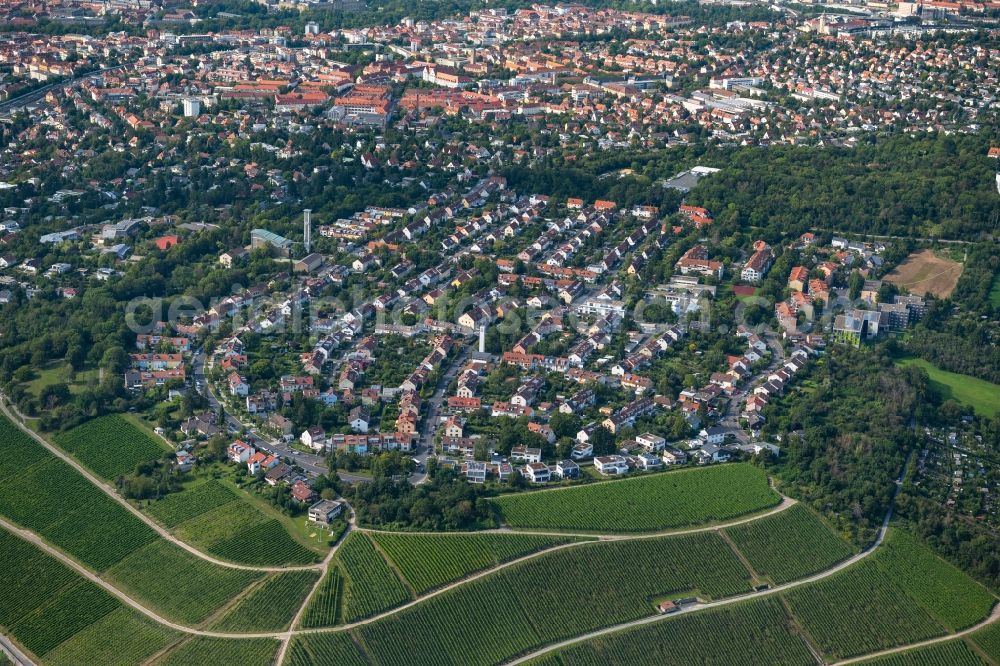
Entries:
{"x":108,"y":490}
{"x":730,"y":418}
{"x":425,"y":442}
{"x":8,"y":648}
{"x":29,"y":98}
{"x":994,"y":616}
{"x":310,"y":462}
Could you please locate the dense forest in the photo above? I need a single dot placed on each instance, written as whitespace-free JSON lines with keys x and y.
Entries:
{"x":845,"y":436}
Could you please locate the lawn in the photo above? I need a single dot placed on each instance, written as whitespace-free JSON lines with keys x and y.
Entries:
{"x":646,"y":503}
{"x":981,"y":395}
{"x":995,"y":291}
{"x":58,"y":372}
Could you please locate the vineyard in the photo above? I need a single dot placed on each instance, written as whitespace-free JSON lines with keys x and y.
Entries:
{"x":988,"y":639}
{"x":644,"y":504}
{"x":428,"y":561}
{"x":176,"y":508}
{"x":52,"y":611}
{"x":949,"y":595}
{"x":271,"y":606}
{"x":555,"y":596}
{"x":180,"y":585}
{"x":833,"y":609}
{"x":756,"y":632}
{"x":207,"y":650}
{"x":371,"y":584}
{"x":952,"y":653}
{"x":336,"y":649}
{"x":232,"y":528}
{"x":121,"y":638}
{"x":324,"y":607}
{"x":789,"y":545}
{"x":110,"y":445}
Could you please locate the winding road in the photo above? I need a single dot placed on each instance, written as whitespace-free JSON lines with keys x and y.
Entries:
{"x":15,"y":418}
{"x":285,"y":636}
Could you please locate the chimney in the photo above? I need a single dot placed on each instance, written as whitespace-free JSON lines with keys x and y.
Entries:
{"x":307,"y":229}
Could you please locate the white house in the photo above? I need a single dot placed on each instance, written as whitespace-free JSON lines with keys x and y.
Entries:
{"x":324,"y":511}
{"x":536,"y":472}
{"x":651,"y":442}
{"x":608,"y":465}
{"x":527,"y":454}
{"x":314,"y":438}
{"x":581,"y":451}
{"x":239,"y":451}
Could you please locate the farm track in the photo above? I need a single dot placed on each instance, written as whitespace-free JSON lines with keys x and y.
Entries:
{"x":15,"y":417}
{"x":285,"y":636}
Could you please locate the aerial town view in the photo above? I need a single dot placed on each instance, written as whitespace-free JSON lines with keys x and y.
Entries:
{"x":481,"y":332}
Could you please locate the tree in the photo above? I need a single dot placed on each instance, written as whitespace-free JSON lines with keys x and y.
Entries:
{"x":565,"y":425}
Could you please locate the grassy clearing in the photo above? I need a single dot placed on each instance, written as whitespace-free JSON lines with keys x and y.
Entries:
{"x":981,"y":395}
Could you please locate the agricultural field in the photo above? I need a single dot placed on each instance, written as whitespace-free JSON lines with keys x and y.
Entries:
{"x":52,"y":499}
{"x":330,"y":648}
{"x":111,"y":445}
{"x":943,"y":590}
{"x":951,"y":653}
{"x":555,"y":596}
{"x":207,"y":650}
{"x":755,"y":632}
{"x":271,"y":606}
{"x":428,"y":561}
{"x":833,"y":609}
{"x":981,"y":395}
{"x":926,"y":272}
{"x":176,"y":508}
{"x":181,"y":586}
{"x":987,"y":639}
{"x":644,"y":504}
{"x":324,"y":607}
{"x":216,"y":519}
{"x":372,"y":586}
{"x":51,"y":610}
{"x":789,"y":545}
{"x":121,"y":638}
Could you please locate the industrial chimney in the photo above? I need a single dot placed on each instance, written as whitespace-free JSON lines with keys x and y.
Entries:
{"x":307,"y":229}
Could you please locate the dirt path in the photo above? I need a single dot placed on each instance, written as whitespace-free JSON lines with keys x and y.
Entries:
{"x":994,"y":616}
{"x":694,"y":608}
{"x":113,"y":494}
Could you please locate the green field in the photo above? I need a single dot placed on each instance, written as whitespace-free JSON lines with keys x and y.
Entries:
{"x":324,"y":607}
{"x":981,"y":395}
{"x":988,"y":640}
{"x":176,"y":508}
{"x":789,"y":545}
{"x":995,"y":291}
{"x":428,"y":561}
{"x":271,"y":606}
{"x":53,"y":612}
{"x":372,"y":586}
{"x":182,"y":586}
{"x":336,"y":649}
{"x":746,"y":634}
{"x":943,"y":590}
{"x":44,"y":494}
{"x":111,"y":445}
{"x":646,"y":503}
{"x":220,"y":521}
{"x":206,"y":650}
{"x":554,"y":596}
{"x":951,"y":653}
{"x":860,"y":610}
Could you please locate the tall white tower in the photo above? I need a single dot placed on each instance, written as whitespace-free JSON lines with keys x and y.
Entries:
{"x":482,"y":339}
{"x":307,"y":229}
